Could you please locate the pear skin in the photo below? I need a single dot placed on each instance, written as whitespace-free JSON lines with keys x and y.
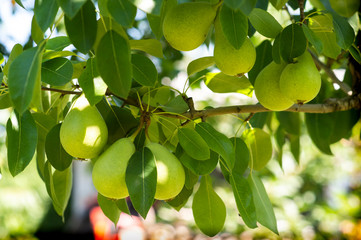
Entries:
{"x":229,"y":60}
{"x":267,"y":88}
{"x":301,"y":81}
{"x":109,"y":169}
{"x":170,"y":172}
{"x":186,"y":25}
{"x":83,"y":133}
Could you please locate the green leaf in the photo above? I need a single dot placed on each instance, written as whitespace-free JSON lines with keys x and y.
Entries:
{"x":193,"y":144}
{"x":217,"y":142}
{"x":199,"y":64}
{"x":36,"y":33}
{"x":345,"y":34}
{"x":45,"y":13}
{"x":209,"y":211}
{"x":263,"y":58}
{"x":150,"y":46}
{"x":149,"y":6}
{"x":5,"y":101}
{"x":199,"y":167}
{"x":57,"y":71}
{"x":123,"y":12}
{"x":71,"y":7}
{"x":141,"y":180}
{"x":244,"y":199}
{"x":242,"y":156}
{"x":264,"y":210}
{"x":318,"y":129}
{"x":176,"y":105}
{"x":295,"y":147}
{"x":61,"y":189}
{"x":22,"y":137}
{"x":191,"y":178}
{"x":278,"y":4}
{"x":290,"y":121}
{"x":312,"y":38}
{"x":322,"y":26}
{"x":57,"y":43}
{"x":93,"y":86}
{"x":293,"y":42}
{"x":259,"y":119}
{"x":144,"y":70}
{"x":109,"y":208}
{"x":265,"y":23}
{"x":55,"y":152}
{"x":15,"y":52}
{"x":57,"y":54}
{"x":181,"y":199}
{"x":355,"y":52}
{"x":114,"y":63}
{"x":222,"y":83}
{"x":20,"y":3}
{"x":122,"y":205}
{"x":82,"y":28}
{"x":260,"y":146}
{"x":105,"y":24}
{"x":276,"y":49}
{"x":344,"y":121}
{"x":246,"y":6}
{"x":24,"y":72}
{"x":234,"y":25}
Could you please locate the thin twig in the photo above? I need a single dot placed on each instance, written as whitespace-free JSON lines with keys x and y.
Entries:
{"x":60,"y":90}
{"x":302,"y":9}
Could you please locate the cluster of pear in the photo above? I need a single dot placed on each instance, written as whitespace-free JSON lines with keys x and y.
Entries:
{"x":279,"y":86}
{"x":186,"y":26}
{"x":84,"y":134}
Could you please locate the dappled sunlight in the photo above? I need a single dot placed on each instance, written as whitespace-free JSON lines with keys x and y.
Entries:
{"x":92,"y":134}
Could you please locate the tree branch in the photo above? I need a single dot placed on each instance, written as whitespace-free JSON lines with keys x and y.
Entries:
{"x":302,"y":9}
{"x":344,"y":87}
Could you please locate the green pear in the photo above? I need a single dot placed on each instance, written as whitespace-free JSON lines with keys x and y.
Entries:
{"x":186,"y":25}
{"x":301,"y":81}
{"x":170,"y":172}
{"x":345,"y":8}
{"x":83,"y":133}
{"x":110,"y":167}
{"x":229,"y":60}
{"x":267,"y":88}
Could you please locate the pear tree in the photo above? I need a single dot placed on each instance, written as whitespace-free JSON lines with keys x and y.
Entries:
{"x":86,"y":89}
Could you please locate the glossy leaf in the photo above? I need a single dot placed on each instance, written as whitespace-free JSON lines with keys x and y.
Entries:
{"x":181,"y":199}
{"x":217,"y":142}
{"x":61,"y":189}
{"x":293,"y":42}
{"x":177,"y":105}
{"x":199,"y":167}
{"x":109,"y":208}
{"x":209,"y":211}
{"x":122,"y":205}
{"x":234,"y":25}
{"x":245,"y":6}
{"x":20,"y":3}
{"x":36,"y":33}
{"x":193,"y":144}
{"x":345,"y":34}
{"x":355,"y":52}
{"x":22,"y":137}
{"x":264,"y":23}
{"x":222,"y":83}
{"x":45,"y":13}
{"x":312,"y":38}
{"x":24,"y":72}
{"x":260,"y":146}
{"x":263,"y":58}
{"x":57,"y":43}
{"x":242,"y":156}
{"x":93,"y":86}
{"x":199,"y":64}
{"x":295,"y":147}
{"x":290,"y":121}
{"x":55,"y":152}
{"x":278,"y":4}
{"x":141,"y":180}
{"x":144,"y":70}
{"x":71,"y":7}
{"x":123,"y":11}
{"x":264,"y":210}
{"x":57,"y":71}
{"x":82,"y":28}
{"x":276,"y":49}
{"x":114,"y":63}
{"x":318,"y":129}
{"x":15,"y":52}
{"x":150,"y":46}
{"x":244,"y":199}
{"x":57,"y":54}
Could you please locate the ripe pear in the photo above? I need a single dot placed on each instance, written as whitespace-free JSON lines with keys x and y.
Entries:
{"x":229,"y":60}
{"x":110,"y":167}
{"x":186,"y":25}
{"x":83,"y":133}
{"x":267,"y":88}
{"x":300,"y":81}
{"x":345,"y":8}
{"x":170,"y":172}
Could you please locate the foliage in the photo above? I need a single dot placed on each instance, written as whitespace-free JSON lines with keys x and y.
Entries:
{"x":121,"y":78}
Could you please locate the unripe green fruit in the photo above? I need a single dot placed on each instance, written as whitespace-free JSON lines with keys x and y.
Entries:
{"x":267,"y":88}
{"x":110,"y":167}
{"x":229,"y":60}
{"x":345,"y":8}
{"x":83,"y":133}
{"x":186,"y":25}
{"x":301,"y":81}
{"x":170,"y":172}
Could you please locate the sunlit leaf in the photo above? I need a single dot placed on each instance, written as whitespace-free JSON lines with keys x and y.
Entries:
{"x":199,"y":64}
{"x":265,"y":23}
{"x":150,"y":46}
{"x":45,"y":13}
{"x":193,"y":144}
{"x":109,"y":208}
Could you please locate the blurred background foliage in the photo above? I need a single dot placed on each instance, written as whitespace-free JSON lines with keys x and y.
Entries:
{"x":317,"y":198}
